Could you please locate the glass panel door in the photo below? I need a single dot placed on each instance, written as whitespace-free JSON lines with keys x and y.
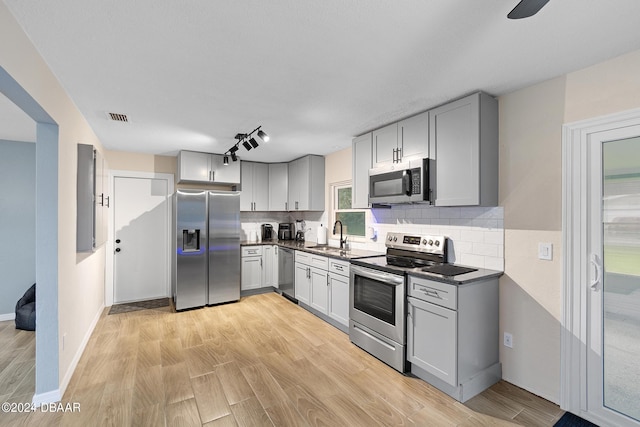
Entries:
{"x":621,"y":276}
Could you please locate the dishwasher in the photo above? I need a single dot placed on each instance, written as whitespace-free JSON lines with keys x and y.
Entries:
{"x":286,"y":270}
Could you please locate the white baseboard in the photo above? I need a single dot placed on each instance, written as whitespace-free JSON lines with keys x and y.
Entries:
{"x":48,"y":397}
{"x":8,"y":316}
{"x":74,"y":362}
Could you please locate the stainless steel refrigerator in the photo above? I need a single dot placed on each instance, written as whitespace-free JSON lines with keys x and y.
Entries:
{"x":207,"y":256}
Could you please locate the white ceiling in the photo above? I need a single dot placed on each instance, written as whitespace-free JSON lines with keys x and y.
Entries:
{"x":190,"y":74}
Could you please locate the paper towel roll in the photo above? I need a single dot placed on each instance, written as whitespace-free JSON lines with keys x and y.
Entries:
{"x":322,"y":235}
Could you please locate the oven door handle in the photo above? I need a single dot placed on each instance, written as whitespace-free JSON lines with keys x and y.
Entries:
{"x":377,"y":275}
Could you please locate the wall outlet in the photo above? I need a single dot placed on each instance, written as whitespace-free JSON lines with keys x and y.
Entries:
{"x":545,"y":251}
{"x":508,"y":340}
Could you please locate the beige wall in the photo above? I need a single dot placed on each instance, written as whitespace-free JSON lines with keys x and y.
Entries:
{"x":127,"y":161}
{"x":80,"y":278}
{"x":530,"y":190}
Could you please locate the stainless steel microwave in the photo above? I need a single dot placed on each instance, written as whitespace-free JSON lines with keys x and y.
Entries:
{"x":406,"y":182}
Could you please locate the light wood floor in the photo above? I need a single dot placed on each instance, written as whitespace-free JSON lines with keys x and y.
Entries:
{"x":262,"y":361}
{"x":17,"y":364}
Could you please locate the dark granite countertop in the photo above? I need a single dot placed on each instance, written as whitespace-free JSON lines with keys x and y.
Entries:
{"x":480,"y":274}
{"x":314,"y":248}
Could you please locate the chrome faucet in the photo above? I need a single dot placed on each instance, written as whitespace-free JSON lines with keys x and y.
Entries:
{"x":342,"y":241}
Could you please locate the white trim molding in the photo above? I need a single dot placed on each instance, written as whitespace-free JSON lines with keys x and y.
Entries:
{"x":575,"y":235}
{"x":8,"y":316}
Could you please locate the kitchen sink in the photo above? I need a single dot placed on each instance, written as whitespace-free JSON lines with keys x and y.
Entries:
{"x":324,"y":248}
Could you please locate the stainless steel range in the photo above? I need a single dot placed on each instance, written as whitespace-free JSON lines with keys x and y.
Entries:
{"x":377,"y":289}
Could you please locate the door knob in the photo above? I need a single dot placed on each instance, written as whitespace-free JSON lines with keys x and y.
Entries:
{"x":117,"y":240}
{"x":117,"y":249}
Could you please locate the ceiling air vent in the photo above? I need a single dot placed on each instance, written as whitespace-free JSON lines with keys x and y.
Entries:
{"x":116,"y":117}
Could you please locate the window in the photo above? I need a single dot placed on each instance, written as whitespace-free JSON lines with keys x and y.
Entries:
{"x":353,"y":220}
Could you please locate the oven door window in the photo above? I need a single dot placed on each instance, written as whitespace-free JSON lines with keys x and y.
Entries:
{"x":377,"y":299}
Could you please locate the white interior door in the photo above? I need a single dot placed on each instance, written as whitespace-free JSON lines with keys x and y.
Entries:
{"x":613,"y":295}
{"x":141,"y":238}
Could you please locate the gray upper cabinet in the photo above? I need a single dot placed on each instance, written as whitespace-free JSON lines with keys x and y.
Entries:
{"x":464,"y":143}
{"x":306,"y":184}
{"x":362,"y":161}
{"x":206,"y":168}
{"x":413,"y":137}
{"x":278,"y":186}
{"x":255,"y":186}
{"x":385,"y":145}
{"x":399,"y":142}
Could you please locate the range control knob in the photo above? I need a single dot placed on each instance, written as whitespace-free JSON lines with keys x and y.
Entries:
{"x":424,"y":241}
{"x":430,"y":242}
{"x":395,"y":239}
{"x":390,"y":238}
{"x":437,"y":242}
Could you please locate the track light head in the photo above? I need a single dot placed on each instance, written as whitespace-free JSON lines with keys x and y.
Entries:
{"x":233,"y":156}
{"x":246,"y":145}
{"x":225,"y":160}
{"x":263,"y":135}
{"x":233,"y":149}
{"x":254,"y":142}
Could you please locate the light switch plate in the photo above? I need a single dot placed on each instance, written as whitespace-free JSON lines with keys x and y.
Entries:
{"x":545,"y":251}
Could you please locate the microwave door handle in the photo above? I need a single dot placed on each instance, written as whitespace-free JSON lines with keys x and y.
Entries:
{"x":406,"y":182}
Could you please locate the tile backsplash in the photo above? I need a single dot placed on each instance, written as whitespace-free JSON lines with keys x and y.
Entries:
{"x":476,"y":234}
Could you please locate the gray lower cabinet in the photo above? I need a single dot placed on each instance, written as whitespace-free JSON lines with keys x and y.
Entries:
{"x":452,"y":335}
{"x":278,"y":186}
{"x":303,"y":283}
{"x":255,"y":186}
{"x":338,"y":308}
{"x":251,"y":268}
{"x":362,"y":162}
{"x":270,"y":264}
{"x":463,"y":139}
{"x":322,"y":283}
{"x":427,"y":324}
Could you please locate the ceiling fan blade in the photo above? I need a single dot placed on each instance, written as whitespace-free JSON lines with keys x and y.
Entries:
{"x":526,"y":8}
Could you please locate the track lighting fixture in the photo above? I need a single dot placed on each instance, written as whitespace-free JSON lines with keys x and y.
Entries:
{"x":263,"y":135}
{"x":247,"y":141}
{"x":225,"y":160}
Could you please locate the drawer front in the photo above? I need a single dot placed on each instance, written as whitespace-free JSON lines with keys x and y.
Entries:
{"x":339,"y":267}
{"x":251,"y":250}
{"x":438,"y":293}
{"x":303,"y":257}
{"x":321,"y":262}
{"x":312,"y":260}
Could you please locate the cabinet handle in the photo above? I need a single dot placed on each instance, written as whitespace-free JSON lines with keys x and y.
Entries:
{"x":393,"y":157}
{"x":431,"y":293}
{"x":296,"y":205}
{"x":286,"y":206}
{"x":260,"y":262}
{"x":338,"y":267}
{"x":399,"y":156}
{"x":107,"y":198}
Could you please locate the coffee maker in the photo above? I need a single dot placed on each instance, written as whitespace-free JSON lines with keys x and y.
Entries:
{"x":300,"y":224}
{"x":267,"y":232}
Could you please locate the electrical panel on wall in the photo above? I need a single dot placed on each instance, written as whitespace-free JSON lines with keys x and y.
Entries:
{"x":92,"y":199}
